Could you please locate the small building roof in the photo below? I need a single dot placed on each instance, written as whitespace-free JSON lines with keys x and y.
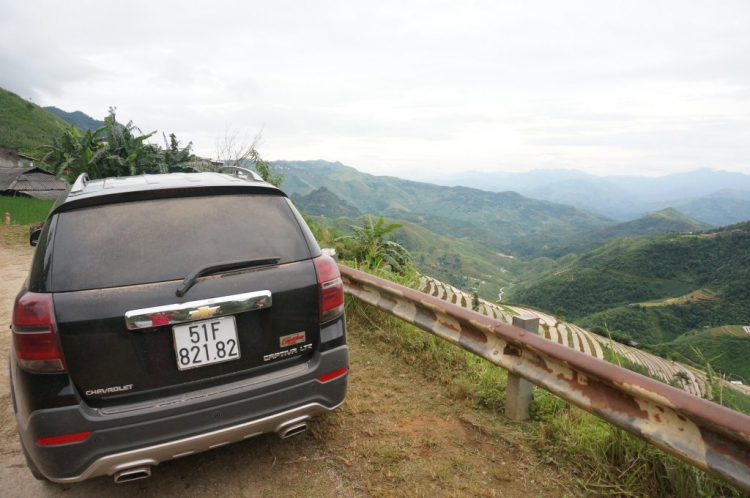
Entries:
{"x":32,"y":181}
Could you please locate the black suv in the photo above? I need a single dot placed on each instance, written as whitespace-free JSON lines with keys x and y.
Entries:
{"x":165,"y":315}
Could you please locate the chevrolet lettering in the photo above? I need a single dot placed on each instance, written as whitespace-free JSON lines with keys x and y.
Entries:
{"x":108,"y":390}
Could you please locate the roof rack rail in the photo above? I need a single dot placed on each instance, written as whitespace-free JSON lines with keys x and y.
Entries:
{"x":241,"y":171}
{"x":80,"y":183}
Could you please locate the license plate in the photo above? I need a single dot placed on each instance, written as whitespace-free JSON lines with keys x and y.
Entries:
{"x":198,"y":344}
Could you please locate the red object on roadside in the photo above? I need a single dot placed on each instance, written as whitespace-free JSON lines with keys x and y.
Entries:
{"x":159,"y":320}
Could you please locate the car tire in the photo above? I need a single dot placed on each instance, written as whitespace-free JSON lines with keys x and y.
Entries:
{"x":32,"y":466}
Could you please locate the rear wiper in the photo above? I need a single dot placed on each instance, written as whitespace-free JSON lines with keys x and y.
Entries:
{"x":219,"y":267}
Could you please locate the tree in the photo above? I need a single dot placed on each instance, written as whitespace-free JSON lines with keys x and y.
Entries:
{"x":174,"y":156}
{"x":74,"y":153}
{"x":371,"y":248}
{"x":113,"y":150}
{"x":238,"y":150}
{"x":125,"y":153}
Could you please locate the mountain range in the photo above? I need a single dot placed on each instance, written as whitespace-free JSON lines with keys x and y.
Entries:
{"x":711,"y":196}
{"x":505,"y":221}
{"x":510,"y":222}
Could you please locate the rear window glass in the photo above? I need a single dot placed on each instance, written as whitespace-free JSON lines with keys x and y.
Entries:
{"x":165,"y":239}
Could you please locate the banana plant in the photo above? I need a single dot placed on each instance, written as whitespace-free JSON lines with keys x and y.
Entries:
{"x":370,"y":247}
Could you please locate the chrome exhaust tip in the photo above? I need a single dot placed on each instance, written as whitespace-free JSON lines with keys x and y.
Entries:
{"x":292,"y":430}
{"x":132,"y":474}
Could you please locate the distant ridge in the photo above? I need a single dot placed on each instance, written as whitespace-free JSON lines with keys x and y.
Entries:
{"x":666,"y":220}
{"x":724,"y":207}
{"x":76,"y":118}
{"x":323,"y":202}
{"x":623,"y":197}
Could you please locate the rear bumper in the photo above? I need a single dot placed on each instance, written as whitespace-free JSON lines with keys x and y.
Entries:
{"x":153,"y":434}
{"x":154,"y":455}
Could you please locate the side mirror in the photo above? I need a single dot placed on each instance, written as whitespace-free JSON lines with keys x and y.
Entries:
{"x":34,"y":237}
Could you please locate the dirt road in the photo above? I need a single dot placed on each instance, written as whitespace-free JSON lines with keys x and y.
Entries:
{"x":397,"y":434}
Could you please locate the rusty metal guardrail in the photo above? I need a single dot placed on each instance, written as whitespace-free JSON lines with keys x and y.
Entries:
{"x":713,"y":438}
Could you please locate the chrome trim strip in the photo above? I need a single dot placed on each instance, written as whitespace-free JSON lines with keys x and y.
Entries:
{"x":154,"y":455}
{"x":171,"y":314}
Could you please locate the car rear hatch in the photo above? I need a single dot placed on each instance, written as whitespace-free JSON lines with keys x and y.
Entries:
{"x":126,"y":332}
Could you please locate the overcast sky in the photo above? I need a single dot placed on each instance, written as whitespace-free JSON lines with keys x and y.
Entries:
{"x":406,"y":88}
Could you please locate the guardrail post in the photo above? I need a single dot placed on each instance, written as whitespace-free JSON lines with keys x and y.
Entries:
{"x":518,"y":391}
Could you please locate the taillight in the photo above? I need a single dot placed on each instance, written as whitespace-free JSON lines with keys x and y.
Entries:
{"x":64,"y":439}
{"x":333,"y":375}
{"x":35,"y":333}
{"x":330,"y":287}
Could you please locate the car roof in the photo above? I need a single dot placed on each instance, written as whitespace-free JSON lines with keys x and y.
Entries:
{"x":86,"y":193}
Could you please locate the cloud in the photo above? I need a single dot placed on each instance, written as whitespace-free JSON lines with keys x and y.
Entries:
{"x":393,"y":86}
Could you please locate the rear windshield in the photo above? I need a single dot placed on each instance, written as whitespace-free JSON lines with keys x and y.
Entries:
{"x":165,"y":239}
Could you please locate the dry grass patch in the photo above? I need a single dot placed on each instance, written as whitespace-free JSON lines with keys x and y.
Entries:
{"x":14,"y":235}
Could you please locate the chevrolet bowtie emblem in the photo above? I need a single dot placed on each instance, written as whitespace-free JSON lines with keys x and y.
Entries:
{"x":204,"y":312}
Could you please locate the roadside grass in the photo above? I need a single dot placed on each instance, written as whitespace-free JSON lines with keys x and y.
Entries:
{"x":599,"y":457}
{"x":25,"y":210}
{"x":403,"y":434}
{"x":736,"y":400}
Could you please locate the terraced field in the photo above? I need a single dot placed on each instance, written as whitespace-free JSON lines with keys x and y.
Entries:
{"x":691,"y":297}
{"x":731,"y":330}
{"x":691,"y":380}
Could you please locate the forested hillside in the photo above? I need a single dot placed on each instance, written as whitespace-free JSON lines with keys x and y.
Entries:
{"x":646,"y":268}
{"x":25,"y":126}
{"x":666,"y":220}
{"x":654,"y":290}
